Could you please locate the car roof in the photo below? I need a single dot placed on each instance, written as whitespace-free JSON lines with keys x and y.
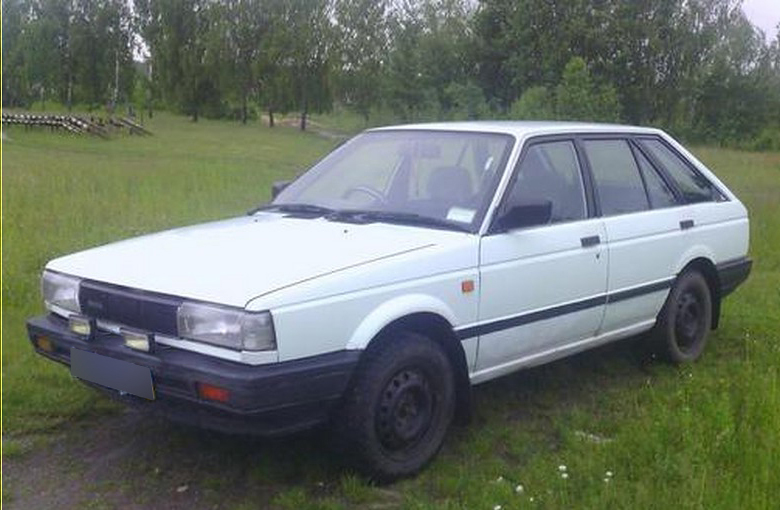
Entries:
{"x":525,"y":128}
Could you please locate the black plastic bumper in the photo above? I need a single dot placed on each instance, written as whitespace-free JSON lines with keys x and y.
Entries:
{"x":264,"y":400}
{"x":732,"y":273}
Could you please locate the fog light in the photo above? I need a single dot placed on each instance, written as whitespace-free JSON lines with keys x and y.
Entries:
{"x":137,"y":340}
{"x":80,"y":325}
{"x":44,"y":343}
{"x":211,"y":392}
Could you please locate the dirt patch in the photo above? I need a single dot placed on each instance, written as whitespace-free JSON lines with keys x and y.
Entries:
{"x":135,"y":461}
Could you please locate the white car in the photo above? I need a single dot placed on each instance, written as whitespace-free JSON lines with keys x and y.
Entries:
{"x":407,"y":265}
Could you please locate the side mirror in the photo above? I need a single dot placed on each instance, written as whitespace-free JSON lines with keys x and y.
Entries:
{"x":277,"y":188}
{"x":525,"y":215}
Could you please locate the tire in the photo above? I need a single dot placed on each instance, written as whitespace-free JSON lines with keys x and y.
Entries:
{"x":684,"y":322}
{"x":400,"y":403}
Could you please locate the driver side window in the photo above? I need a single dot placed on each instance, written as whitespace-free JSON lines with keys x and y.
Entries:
{"x":547,"y":186}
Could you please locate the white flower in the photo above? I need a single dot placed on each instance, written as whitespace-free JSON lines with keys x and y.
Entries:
{"x":609,"y":474}
{"x":564,"y":475}
{"x":499,"y":479}
{"x":497,"y":507}
{"x":562,"y":468}
{"x":607,"y":479}
{"x":519,"y":489}
{"x":531,"y":499}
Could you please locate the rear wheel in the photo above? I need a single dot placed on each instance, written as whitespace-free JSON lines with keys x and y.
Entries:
{"x":684,"y":322}
{"x":398,"y":408}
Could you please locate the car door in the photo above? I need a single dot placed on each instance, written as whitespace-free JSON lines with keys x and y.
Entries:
{"x":645,"y":231}
{"x":543,"y":277}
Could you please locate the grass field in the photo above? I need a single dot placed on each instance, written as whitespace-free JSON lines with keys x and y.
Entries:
{"x":701,"y":436}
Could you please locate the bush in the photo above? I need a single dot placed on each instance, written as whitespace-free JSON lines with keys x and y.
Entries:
{"x":536,"y":103}
{"x":467,"y":101}
{"x":578,"y":97}
{"x":767,"y":140}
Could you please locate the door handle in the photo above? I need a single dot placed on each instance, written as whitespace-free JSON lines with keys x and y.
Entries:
{"x":590,"y":241}
{"x":686,"y":224}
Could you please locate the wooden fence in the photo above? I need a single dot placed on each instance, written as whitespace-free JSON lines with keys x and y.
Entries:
{"x":82,"y":125}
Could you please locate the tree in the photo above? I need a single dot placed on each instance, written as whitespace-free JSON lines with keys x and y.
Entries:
{"x":176,"y":32}
{"x":739,"y":89}
{"x":536,"y":103}
{"x":246,"y":25}
{"x":466,"y":101}
{"x":362,"y":35}
{"x":15,"y":85}
{"x":46,"y":48}
{"x":309,"y":50}
{"x":274,"y":77}
{"x":430,"y":63}
{"x":578,"y":97}
{"x":405,"y":86}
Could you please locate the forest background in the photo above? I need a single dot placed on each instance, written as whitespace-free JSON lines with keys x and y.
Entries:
{"x":697,"y":68}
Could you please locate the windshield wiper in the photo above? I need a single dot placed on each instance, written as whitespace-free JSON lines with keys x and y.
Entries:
{"x":308,"y":209}
{"x":402,"y":218}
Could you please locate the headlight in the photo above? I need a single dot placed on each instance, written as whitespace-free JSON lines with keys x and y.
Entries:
{"x":60,"y":292}
{"x":227,"y":327}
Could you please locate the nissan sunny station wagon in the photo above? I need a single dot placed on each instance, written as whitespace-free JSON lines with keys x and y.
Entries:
{"x":406,"y":266}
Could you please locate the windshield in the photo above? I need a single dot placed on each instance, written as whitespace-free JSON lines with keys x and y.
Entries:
{"x":429,"y":178}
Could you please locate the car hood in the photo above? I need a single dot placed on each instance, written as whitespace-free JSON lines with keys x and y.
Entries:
{"x":236,"y":260}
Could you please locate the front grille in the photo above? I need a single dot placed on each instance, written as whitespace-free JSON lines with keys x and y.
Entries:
{"x":131,"y":307}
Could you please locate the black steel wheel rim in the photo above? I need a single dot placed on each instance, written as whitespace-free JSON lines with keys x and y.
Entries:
{"x":406,"y":409}
{"x":689,"y":320}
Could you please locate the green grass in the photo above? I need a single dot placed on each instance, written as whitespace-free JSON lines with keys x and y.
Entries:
{"x":700,"y":436}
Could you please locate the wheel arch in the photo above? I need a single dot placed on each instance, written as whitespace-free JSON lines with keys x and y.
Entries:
{"x":439,"y":329}
{"x":706,"y":267}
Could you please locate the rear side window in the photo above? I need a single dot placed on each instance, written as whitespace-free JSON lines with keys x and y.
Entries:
{"x":657,"y":191}
{"x":619,"y":185}
{"x":693,"y":186}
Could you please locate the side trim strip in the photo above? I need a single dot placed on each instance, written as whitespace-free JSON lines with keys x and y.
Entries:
{"x":555,"y":311}
{"x":639,"y":291}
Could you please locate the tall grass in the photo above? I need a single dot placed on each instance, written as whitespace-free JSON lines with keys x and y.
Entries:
{"x":699,"y":436}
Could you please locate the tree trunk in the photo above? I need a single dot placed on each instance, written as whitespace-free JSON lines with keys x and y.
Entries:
{"x":243,"y":108}
{"x":303,"y":116}
{"x":115,"y":99}
{"x":270,"y":117}
{"x":70,"y":92}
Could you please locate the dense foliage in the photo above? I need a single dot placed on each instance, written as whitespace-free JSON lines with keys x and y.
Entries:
{"x":697,"y":67}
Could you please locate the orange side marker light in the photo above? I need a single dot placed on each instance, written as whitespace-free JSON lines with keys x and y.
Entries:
{"x":467,"y":286}
{"x":44,"y":344}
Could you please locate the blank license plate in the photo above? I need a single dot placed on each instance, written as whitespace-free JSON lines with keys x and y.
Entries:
{"x":113,"y":373}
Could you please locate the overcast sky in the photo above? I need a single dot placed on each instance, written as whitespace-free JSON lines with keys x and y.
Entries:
{"x":765,"y":14}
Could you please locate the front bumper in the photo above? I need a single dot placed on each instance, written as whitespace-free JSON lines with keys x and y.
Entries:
{"x":263,"y":400}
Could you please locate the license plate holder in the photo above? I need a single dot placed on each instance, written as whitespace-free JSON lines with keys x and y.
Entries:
{"x":122,"y":376}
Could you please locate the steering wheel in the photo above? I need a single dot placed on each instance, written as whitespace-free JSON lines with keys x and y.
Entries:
{"x":368,"y":190}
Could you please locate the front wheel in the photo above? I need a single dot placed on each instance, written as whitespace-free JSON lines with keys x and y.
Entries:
{"x":684,"y":322}
{"x":398,"y":408}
